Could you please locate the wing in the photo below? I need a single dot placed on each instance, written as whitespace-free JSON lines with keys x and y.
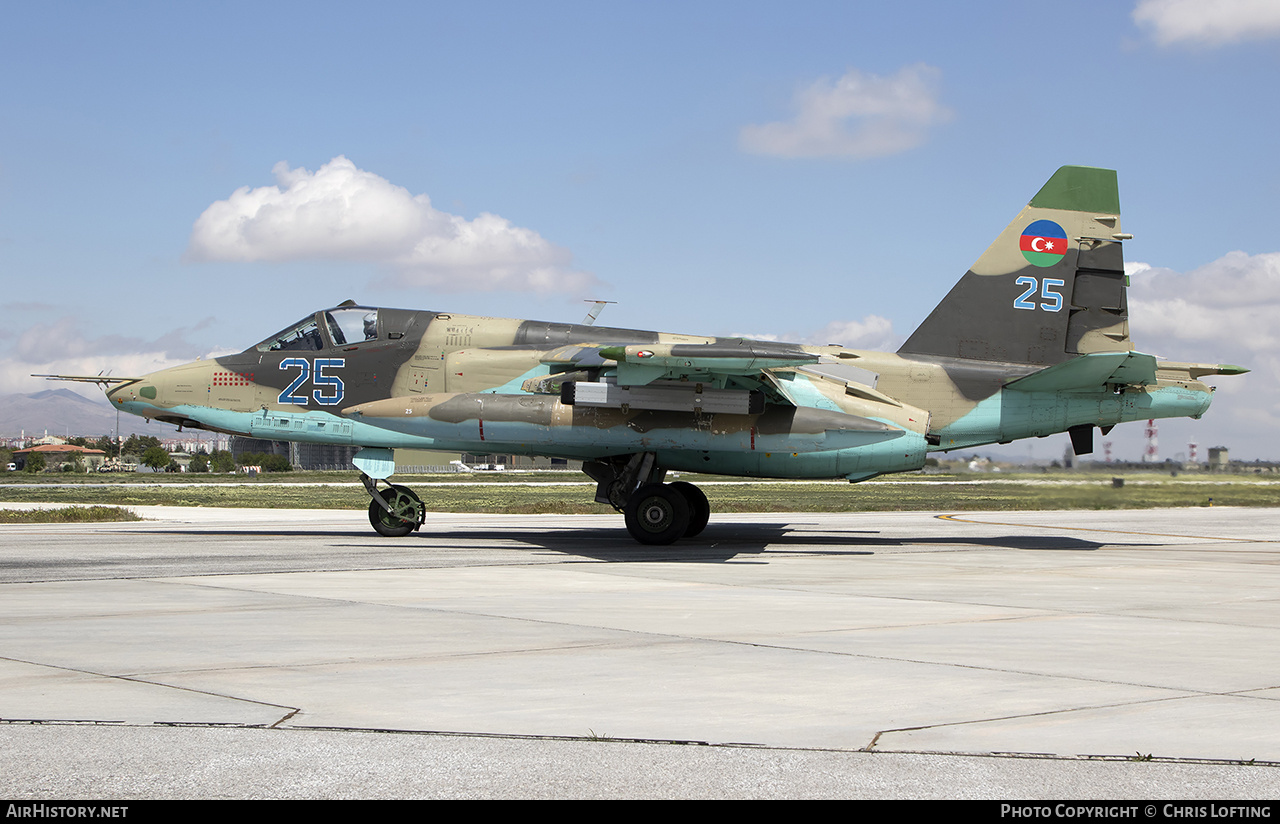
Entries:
{"x":729,"y":376}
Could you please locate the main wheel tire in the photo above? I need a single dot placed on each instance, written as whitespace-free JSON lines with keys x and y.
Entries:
{"x":408,"y":510}
{"x":657,"y":515}
{"x":699,"y":507}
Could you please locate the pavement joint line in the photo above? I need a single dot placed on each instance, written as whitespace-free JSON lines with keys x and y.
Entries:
{"x":347,"y":662}
{"x":991,"y":754}
{"x":1184,"y":692}
{"x":1042,"y":714}
{"x":1217,"y":729}
{"x":133,"y":679}
{"x":667,"y":637}
{"x":659,"y":637}
{"x":286,"y":717}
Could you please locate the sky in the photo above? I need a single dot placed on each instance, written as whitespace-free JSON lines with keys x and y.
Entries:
{"x":182,"y":180}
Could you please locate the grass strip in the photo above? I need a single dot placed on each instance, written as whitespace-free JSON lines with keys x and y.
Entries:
{"x":66,"y":515}
{"x":1090,"y":493}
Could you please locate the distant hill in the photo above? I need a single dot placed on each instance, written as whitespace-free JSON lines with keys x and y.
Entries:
{"x":63,"y":412}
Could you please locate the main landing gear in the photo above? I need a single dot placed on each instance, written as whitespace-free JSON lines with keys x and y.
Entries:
{"x":656,"y":513}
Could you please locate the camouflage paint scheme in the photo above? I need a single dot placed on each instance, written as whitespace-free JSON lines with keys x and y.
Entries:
{"x":1032,"y":340}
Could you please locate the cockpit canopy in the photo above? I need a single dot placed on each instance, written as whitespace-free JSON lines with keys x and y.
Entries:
{"x":346,"y":325}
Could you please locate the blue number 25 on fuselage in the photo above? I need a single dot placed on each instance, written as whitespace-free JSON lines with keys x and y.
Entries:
{"x":328,"y":388}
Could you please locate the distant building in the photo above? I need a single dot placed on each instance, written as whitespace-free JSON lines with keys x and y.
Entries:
{"x":60,"y":454}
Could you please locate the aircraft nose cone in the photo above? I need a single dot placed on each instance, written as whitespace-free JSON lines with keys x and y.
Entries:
{"x":131,"y":391}
{"x":116,"y":394}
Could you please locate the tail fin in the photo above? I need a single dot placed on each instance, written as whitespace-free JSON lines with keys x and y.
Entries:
{"x":1051,"y":287}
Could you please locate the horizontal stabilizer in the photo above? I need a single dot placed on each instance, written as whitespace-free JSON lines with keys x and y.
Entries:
{"x":1091,"y":371}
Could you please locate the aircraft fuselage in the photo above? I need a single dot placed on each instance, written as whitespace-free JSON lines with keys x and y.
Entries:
{"x":1032,"y":340}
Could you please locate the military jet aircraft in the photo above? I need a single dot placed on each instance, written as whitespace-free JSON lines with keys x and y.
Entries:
{"x":1033,"y":340}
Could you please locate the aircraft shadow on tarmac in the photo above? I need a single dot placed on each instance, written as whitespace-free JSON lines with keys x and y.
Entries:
{"x":738,"y":541}
{"x":720,"y":542}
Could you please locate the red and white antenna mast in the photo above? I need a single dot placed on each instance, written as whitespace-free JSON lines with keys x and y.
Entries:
{"x":1152,"y":454}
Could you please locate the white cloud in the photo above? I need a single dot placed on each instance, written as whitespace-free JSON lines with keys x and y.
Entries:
{"x":340,"y":212}
{"x":1222,"y":312}
{"x":858,"y":116}
{"x":60,"y":349}
{"x":62,"y":340}
{"x":15,"y":376}
{"x":1232,"y":301}
{"x":872,"y":332}
{"x":1208,"y":22}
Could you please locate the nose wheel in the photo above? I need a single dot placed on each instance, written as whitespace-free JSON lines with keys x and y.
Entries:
{"x":395,"y":511}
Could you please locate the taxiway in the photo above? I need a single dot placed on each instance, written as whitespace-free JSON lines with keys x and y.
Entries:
{"x":268,"y":653}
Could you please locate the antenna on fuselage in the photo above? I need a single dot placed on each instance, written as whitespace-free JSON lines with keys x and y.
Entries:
{"x":596,"y":307}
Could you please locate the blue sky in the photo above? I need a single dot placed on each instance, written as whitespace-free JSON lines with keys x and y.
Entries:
{"x":807,"y":171}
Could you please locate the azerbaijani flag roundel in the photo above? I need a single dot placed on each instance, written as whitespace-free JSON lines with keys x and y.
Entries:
{"x":1043,"y":243}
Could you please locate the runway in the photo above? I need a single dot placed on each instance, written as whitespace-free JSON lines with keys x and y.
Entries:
{"x":268,"y":653}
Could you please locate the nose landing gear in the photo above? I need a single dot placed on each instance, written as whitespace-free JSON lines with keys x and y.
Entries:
{"x":394,"y":512}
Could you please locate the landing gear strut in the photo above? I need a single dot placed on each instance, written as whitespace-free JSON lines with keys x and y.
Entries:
{"x":656,"y":513}
{"x":394,"y":512}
